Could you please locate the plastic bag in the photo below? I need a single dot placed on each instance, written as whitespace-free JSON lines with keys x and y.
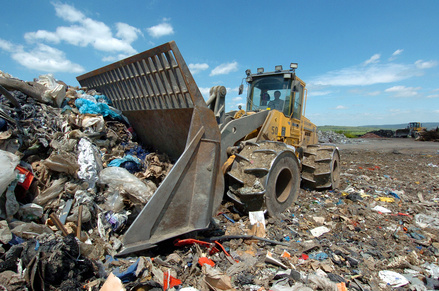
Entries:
{"x":129,"y":162}
{"x":55,"y":92}
{"x":50,"y":193}
{"x":120,"y":178}
{"x":30,"y":211}
{"x":117,"y":220}
{"x":63,"y":162}
{"x":114,"y":202}
{"x":393,"y":279}
{"x":8,"y":163}
{"x":28,"y":230}
{"x":423,"y":221}
{"x":86,"y":106}
{"x":318,"y":231}
{"x":5,"y":232}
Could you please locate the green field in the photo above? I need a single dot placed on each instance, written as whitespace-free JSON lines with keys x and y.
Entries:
{"x":348,"y":131}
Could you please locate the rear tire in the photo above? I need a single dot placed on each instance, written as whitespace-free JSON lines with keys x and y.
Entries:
{"x":321,"y":167}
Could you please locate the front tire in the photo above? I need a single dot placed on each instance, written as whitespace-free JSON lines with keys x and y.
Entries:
{"x":265,"y":175}
{"x":283,"y":183}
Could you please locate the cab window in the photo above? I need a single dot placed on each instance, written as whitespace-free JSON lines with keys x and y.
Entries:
{"x":298,"y":98}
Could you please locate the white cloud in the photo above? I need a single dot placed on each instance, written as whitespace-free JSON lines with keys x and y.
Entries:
{"x":161,"y":29}
{"x":127,"y":32}
{"x":85,"y":31}
{"x":205,"y":91}
{"x":224,"y":69}
{"x":341,"y":107}
{"x":115,"y":58}
{"x":433,"y":96}
{"x":397,"y":52}
{"x":47,"y":59}
{"x":420,"y":64}
{"x":373,"y":59}
{"x":318,"y":93}
{"x":68,"y":12}
{"x":196,"y":68}
{"x":237,"y":99}
{"x":229,"y":90}
{"x":373,"y":93}
{"x":42,"y":34}
{"x":371,"y":74}
{"x":6,"y":45}
{"x":403,"y":91}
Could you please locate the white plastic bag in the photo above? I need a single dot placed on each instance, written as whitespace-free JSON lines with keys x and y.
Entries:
{"x":318,"y":231}
{"x":30,"y":212}
{"x":393,"y":279}
{"x":55,"y":92}
{"x":121,"y":179}
{"x":8,"y":162}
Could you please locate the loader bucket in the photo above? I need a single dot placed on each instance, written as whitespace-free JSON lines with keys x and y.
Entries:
{"x":157,"y":93}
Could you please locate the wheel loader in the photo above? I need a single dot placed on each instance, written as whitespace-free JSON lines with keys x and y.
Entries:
{"x":257,"y":157}
{"x":413,"y":129}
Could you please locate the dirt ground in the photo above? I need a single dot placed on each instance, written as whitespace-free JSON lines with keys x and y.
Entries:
{"x":403,"y":145}
{"x":401,"y":175}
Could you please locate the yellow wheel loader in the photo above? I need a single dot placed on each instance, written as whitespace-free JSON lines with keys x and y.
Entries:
{"x":257,"y":157}
{"x":413,"y":129}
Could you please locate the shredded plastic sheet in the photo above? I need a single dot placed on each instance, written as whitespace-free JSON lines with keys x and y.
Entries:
{"x":423,"y":221}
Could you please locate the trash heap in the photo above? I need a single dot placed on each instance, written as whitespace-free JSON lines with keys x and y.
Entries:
{"x":370,"y":135}
{"x":73,"y":178}
{"x":69,"y":166}
{"x":332,"y":137}
{"x":384,"y":132}
{"x":429,"y":135}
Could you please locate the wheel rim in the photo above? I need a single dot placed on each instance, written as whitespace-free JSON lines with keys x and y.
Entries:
{"x":284,"y":182}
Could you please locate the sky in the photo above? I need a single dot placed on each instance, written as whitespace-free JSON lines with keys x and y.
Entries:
{"x":364,"y":62}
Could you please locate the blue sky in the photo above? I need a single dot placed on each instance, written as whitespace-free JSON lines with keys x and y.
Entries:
{"x":364,"y":62}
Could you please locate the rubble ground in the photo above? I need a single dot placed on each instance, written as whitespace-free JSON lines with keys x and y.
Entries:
{"x":73,"y":178}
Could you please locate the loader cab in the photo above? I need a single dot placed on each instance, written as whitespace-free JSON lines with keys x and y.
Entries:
{"x":280,"y":90}
{"x":415,"y":125}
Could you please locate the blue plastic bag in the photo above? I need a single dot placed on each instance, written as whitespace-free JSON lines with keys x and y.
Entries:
{"x":89,"y":107}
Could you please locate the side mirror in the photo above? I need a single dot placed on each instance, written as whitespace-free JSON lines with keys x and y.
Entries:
{"x":241,"y":89}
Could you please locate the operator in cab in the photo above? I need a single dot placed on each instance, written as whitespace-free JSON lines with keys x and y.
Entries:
{"x":277,"y":103}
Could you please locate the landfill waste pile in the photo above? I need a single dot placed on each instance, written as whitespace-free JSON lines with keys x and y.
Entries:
{"x":430,"y":135}
{"x":370,"y":135}
{"x":332,"y":137}
{"x":384,"y":132}
{"x":73,"y":178}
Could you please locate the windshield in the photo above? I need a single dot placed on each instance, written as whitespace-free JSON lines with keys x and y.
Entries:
{"x":272,"y":92}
